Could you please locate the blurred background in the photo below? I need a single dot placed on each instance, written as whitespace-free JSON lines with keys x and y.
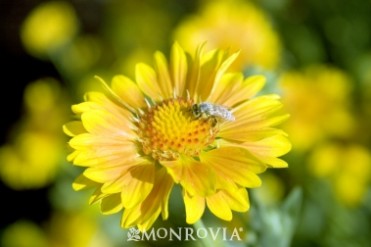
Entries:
{"x":316,"y":54}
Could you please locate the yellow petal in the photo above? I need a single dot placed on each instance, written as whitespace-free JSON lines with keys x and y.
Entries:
{"x":114,"y":155}
{"x":196,"y":178}
{"x":179,"y":69}
{"x":219,"y":206}
{"x":73,"y":128}
{"x":256,"y":114}
{"x":95,"y":151}
{"x":257,"y":109}
{"x":147,"y":81}
{"x":111,"y":204}
{"x":194,"y":207}
{"x":145,"y":214}
{"x":115,"y":186}
{"x":272,"y":146}
{"x":269,"y":148}
{"x":72,"y":156}
{"x":236,"y":164}
{"x":104,"y":174}
{"x":215,"y":65}
{"x":99,"y":101}
{"x":232,"y":89}
{"x":114,"y":98}
{"x":100,"y":122}
{"x":252,"y":85}
{"x":193,"y":80}
{"x":162,"y":193}
{"x":210,"y":63}
{"x":224,"y":65}
{"x":131,"y":216}
{"x":111,"y":103}
{"x":137,"y":184}
{"x":128,"y":91}
{"x":226,"y":88}
{"x":273,"y":162}
{"x":82,"y":182}
{"x":163,"y":74}
{"x":249,"y":134}
{"x":83,"y":107}
{"x":96,"y":196}
{"x":237,"y":200}
{"x":88,"y":141}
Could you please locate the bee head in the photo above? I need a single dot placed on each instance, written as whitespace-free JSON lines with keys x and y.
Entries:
{"x":196,"y":111}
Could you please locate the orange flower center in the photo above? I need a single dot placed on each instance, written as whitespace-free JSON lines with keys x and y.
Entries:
{"x":170,"y":129}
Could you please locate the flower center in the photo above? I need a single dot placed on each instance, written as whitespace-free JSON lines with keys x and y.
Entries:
{"x":170,"y":129}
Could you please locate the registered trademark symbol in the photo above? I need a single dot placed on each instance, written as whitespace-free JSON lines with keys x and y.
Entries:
{"x":240,"y":229}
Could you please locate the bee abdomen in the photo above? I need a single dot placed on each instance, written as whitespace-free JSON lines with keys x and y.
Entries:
{"x":213,"y":110}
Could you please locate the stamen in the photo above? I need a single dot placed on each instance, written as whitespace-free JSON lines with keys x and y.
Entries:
{"x":169,"y":129}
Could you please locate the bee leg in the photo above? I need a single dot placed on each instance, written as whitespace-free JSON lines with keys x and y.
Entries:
{"x":213,"y":121}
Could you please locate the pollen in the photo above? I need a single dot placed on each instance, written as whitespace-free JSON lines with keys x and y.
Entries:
{"x":170,"y":129}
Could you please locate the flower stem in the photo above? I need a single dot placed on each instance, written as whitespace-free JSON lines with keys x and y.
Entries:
{"x":206,"y":242}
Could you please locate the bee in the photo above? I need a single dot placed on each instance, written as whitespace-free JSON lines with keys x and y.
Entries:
{"x":207,"y":110}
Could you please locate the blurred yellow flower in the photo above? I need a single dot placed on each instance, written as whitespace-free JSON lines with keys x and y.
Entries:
{"x":23,"y":234}
{"x":59,"y":231}
{"x":24,"y":165}
{"x":317,"y":99}
{"x":62,"y":228}
{"x":48,"y":27}
{"x":32,"y":156}
{"x":234,"y":25}
{"x":141,"y":137}
{"x":348,"y":167}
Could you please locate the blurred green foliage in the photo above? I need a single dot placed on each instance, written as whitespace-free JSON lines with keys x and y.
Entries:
{"x":323,"y":75}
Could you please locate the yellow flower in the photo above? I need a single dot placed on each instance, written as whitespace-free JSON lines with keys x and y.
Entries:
{"x":62,"y":228}
{"x":234,"y":25}
{"x":346,"y":166}
{"x":317,"y":99}
{"x":48,"y":27}
{"x":31,"y":158}
{"x":140,"y":138}
{"x":32,"y":235}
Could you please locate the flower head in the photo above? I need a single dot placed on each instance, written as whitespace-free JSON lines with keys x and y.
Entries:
{"x":325,"y":115}
{"x":234,"y":25}
{"x":49,"y":27}
{"x":140,"y":138}
{"x":346,"y":166}
{"x":23,"y":166}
